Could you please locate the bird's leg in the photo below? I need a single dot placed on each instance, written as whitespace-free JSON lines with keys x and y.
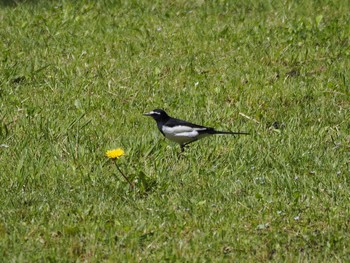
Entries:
{"x":180,"y":154}
{"x":182,"y":147}
{"x":185,"y":144}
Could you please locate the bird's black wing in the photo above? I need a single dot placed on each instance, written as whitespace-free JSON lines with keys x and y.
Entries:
{"x":172,"y":122}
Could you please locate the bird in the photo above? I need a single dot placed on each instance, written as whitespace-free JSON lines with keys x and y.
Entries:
{"x":181,"y":131}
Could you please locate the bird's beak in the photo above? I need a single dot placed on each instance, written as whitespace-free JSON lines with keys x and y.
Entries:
{"x":147,"y":114}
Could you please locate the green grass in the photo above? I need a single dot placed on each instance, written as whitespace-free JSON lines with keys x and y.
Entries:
{"x":75,"y":79}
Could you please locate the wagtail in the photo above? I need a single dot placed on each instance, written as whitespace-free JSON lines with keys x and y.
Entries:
{"x":180,"y":131}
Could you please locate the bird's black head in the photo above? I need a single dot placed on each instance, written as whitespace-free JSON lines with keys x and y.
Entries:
{"x":158,"y":115}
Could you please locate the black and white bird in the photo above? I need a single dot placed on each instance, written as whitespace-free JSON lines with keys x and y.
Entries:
{"x":180,"y":131}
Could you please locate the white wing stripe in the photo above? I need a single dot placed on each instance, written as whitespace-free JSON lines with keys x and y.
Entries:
{"x":180,"y":129}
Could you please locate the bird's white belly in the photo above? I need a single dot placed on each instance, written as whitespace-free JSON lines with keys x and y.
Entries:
{"x":181,"y":138}
{"x":182,"y":134}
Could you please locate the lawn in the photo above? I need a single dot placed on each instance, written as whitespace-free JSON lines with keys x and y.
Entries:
{"x":75,"y":78}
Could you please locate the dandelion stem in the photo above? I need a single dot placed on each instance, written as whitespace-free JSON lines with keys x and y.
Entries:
{"x":126,"y":178}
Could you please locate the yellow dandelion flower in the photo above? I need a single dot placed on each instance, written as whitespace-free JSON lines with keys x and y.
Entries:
{"x":115,"y":153}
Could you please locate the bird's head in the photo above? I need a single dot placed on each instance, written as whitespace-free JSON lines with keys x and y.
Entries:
{"x":158,"y":115}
